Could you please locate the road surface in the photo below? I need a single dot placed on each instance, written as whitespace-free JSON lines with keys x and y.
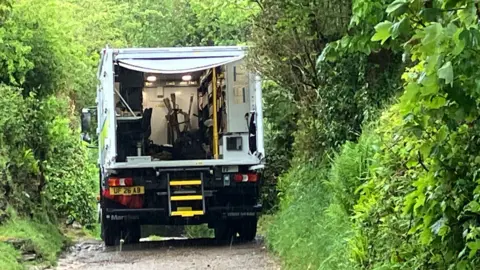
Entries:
{"x":175,"y":254}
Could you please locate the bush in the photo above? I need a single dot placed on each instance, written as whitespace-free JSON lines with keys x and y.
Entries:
{"x":19,"y":167}
{"x":310,"y":230}
{"x":419,"y":208}
{"x":41,"y":236}
{"x":313,"y":228}
{"x":70,"y":173}
{"x":41,"y":153}
{"x":280,"y":124}
{"x":351,"y":168}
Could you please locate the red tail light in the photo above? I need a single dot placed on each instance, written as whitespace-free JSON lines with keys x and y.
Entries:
{"x":238,"y":177}
{"x":120,"y":182}
{"x":133,"y":201}
{"x":251,"y":177}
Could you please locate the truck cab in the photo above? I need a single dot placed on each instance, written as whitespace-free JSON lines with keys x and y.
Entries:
{"x":180,"y":141}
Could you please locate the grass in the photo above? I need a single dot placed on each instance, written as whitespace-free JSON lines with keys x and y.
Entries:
{"x":312,"y":228}
{"x":93,"y":232}
{"x":198,"y":231}
{"x":9,"y":257}
{"x":44,"y":238}
{"x":311,"y":233}
{"x":264,"y":222}
{"x":155,"y":238}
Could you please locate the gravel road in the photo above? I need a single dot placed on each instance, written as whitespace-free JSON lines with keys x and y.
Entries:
{"x":168,"y":254}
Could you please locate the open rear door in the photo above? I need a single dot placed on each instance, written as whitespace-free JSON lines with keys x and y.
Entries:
{"x":176,"y":66}
{"x":177,"y":60}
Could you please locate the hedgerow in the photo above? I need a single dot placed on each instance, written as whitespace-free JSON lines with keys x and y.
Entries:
{"x":416,"y":201}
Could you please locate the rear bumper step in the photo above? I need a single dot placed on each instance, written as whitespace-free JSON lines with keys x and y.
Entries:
{"x":185,"y":182}
{"x":187,"y":213}
{"x":187,"y":198}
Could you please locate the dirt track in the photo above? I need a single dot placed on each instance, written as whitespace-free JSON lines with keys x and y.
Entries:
{"x":169,"y":254}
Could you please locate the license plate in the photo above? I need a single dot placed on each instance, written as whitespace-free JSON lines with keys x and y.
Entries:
{"x":127,"y":190}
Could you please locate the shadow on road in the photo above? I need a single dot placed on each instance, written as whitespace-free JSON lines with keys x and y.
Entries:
{"x":180,"y":243}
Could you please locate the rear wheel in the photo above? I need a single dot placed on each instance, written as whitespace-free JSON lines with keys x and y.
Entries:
{"x":247,"y":229}
{"x":110,"y":233}
{"x":133,"y":233}
{"x":224,"y":232}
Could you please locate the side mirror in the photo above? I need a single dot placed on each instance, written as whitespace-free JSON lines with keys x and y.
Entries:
{"x":86,"y":120}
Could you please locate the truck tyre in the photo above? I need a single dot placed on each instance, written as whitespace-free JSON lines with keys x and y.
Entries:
{"x":224,"y":232}
{"x":133,"y":233}
{"x":248,"y":229}
{"x":110,"y":233}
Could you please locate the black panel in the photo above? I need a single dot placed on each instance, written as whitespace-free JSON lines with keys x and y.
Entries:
{"x":234,"y":143}
{"x":129,"y":78}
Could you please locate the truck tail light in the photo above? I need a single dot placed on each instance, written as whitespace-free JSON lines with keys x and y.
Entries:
{"x":238,"y":177}
{"x":251,"y":177}
{"x":120,"y":182}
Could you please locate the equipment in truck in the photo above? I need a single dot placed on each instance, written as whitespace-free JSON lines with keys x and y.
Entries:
{"x":180,"y":141}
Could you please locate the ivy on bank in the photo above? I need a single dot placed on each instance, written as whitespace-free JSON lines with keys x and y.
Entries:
{"x":420,"y":208}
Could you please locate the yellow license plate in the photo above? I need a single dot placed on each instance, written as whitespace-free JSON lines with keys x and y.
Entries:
{"x":127,"y":190}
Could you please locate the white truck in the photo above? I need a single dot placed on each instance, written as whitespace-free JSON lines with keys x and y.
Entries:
{"x":180,"y":141}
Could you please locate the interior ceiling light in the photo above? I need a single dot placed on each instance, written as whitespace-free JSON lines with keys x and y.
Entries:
{"x":151,"y":78}
{"x":187,"y":77}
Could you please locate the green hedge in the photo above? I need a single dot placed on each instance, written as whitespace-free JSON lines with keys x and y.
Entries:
{"x":313,"y":228}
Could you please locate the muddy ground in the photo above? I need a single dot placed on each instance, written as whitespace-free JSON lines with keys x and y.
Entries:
{"x":168,"y":254}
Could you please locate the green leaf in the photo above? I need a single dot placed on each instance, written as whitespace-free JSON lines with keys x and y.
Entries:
{"x":460,"y":38}
{"x":382,"y":31}
{"x":442,"y":133}
{"x":426,"y":237}
{"x":400,"y":27}
{"x":425,"y":150}
{"x":411,"y":92}
{"x":474,"y":207}
{"x":474,"y":247}
{"x":433,"y":34}
{"x":397,"y":7}
{"x":430,"y":85}
{"x":467,"y":15}
{"x":437,"y":102}
{"x":431,"y":14}
{"x":446,"y":73}
{"x":329,"y":53}
{"x":432,"y":63}
{"x":438,"y":225}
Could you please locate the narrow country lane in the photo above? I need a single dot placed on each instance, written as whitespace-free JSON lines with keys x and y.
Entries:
{"x":168,"y":254}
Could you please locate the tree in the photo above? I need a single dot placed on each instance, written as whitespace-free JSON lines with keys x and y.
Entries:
{"x":288,"y":36}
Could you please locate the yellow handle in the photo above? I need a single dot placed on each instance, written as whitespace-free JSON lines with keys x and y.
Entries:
{"x":215,"y":125}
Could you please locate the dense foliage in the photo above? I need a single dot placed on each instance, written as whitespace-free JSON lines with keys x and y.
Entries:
{"x":373,"y":169}
{"x":415,"y":203}
{"x":48,"y":73}
{"x":49,"y":52}
{"x":424,"y":187}
{"x":40,"y":69}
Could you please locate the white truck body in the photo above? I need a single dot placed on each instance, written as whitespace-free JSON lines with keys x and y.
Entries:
{"x":166,"y":61}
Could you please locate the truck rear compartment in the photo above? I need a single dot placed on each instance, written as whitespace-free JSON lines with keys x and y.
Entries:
{"x":171,"y":117}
